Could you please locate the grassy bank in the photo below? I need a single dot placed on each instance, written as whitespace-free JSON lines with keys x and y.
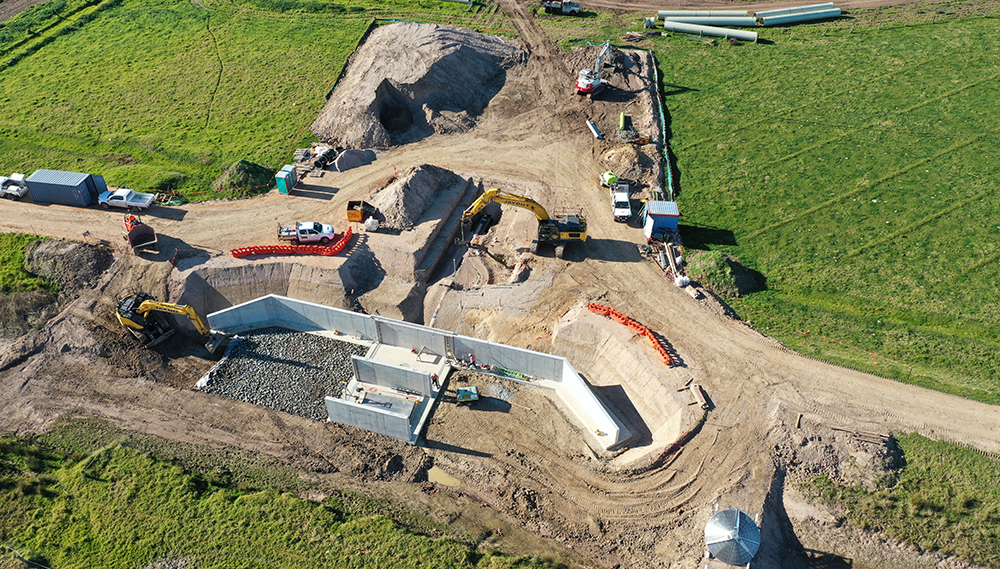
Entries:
{"x":946,"y":499}
{"x":854,"y":170}
{"x":136,"y":501}
{"x":13,"y":277}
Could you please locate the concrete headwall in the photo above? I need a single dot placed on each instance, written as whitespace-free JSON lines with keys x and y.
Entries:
{"x":273,"y":310}
{"x":412,"y":336}
{"x":392,"y":376}
{"x":395,"y":425}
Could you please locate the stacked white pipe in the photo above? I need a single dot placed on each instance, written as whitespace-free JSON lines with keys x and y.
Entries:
{"x":783,"y":16}
{"x":706,"y":22}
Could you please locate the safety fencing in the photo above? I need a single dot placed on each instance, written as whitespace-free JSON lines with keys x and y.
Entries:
{"x":635,"y":327}
{"x":325,"y":250}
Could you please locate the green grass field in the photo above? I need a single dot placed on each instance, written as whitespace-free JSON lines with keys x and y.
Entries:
{"x":946,"y":499}
{"x":160,"y":94}
{"x":855,"y":171}
{"x":66,"y":504}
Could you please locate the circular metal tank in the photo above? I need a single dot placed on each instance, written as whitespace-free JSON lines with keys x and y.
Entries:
{"x":732,"y":537}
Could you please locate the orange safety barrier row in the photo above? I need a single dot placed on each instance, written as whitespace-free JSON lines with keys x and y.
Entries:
{"x":634,"y":326}
{"x":326,"y":250}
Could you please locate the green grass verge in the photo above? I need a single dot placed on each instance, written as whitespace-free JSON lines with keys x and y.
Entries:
{"x":13,"y":277}
{"x":63,"y":504}
{"x":946,"y":499}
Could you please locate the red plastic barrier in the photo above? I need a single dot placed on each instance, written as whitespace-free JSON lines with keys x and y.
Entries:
{"x":324,"y":250}
{"x":636,"y":327}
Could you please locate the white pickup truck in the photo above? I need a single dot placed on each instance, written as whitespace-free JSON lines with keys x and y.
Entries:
{"x":127,"y":199}
{"x":12,"y":187}
{"x":306,"y":232}
{"x":621,"y":207}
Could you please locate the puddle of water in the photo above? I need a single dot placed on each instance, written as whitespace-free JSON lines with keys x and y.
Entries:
{"x":435,"y":474}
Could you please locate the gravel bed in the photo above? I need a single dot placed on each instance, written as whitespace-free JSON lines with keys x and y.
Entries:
{"x":285,"y":370}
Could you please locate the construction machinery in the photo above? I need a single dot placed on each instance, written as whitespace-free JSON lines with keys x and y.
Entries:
{"x":558,"y":230}
{"x":146,"y":319}
{"x":589,"y":81}
{"x":136,"y":233}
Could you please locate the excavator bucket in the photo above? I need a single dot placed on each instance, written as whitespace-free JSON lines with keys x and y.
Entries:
{"x":141,"y":236}
{"x":137,"y":233}
{"x":216,"y":342}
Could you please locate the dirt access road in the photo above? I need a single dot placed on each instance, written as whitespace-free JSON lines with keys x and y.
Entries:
{"x":526,"y":462}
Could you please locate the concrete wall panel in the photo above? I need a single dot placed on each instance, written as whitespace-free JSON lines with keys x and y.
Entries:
{"x":367,"y":418}
{"x":585,"y":403}
{"x":524,"y":361}
{"x":392,"y":376}
{"x":250,"y":315}
{"x":412,"y":336}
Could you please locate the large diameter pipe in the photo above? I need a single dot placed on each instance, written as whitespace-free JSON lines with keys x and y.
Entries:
{"x":709,"y":31}
{"x":742,"y":21}
{"x":795,"y":10}
{"x":594,"y":131}
{"x":665,"y":14}
{"x":783,"y":19}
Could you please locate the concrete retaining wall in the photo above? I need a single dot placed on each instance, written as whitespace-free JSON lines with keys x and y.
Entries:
{"x":412,"y":336}
{"x":273,"y":310}
{"x":395,"y":425}
{"x":392,"y":376}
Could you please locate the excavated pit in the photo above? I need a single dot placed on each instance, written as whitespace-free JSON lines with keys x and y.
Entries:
{"x":640,"y":395}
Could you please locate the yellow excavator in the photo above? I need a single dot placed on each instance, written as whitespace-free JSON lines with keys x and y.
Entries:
{"x":558,"y":230}
{"x":144,"y":317}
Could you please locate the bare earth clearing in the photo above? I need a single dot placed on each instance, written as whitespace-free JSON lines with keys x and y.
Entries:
{"x":520,"y":453}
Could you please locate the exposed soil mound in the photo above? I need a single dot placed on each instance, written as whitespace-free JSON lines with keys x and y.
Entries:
{"x":631,"y":164}
{"x":244,"y":175}
{"x":410,"y":80}
{"x":72,"y":265}
{"x":404,"y":200}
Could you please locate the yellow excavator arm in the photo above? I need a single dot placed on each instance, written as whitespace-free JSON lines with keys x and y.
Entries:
{"x":152,"y":305}
{"x":507,"y":198}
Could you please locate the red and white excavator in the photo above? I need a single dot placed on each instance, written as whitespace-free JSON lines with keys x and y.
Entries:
{"x":589,"y":81}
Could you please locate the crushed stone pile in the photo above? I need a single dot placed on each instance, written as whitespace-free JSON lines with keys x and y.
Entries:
{"x":404,"y":201}
{"x":285,"y":370}
{"x":410,"y":80}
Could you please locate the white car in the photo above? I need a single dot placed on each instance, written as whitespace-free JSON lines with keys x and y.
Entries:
{"x":306,"y":232}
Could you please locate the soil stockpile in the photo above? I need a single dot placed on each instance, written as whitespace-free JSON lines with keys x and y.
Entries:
{"x":404,"y":201}
{"x":410,"y":80}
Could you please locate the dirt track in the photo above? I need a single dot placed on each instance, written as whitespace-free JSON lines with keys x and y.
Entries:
{"x":521,"y":460}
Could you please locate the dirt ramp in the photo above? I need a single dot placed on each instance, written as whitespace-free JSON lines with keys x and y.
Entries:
{"x":410,"y":80}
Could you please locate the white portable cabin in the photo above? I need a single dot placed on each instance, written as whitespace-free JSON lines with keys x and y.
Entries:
{"x":659,"y":217}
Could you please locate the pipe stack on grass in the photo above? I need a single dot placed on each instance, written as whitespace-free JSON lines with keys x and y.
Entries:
{"x":707,"y":22}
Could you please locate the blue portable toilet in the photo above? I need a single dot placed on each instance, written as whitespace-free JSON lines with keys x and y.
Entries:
{"x":660,"y":217}
{"x":284,"y":180}
{"x":291,"y":170}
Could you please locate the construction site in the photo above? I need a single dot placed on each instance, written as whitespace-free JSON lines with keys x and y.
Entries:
{"x":491,"y":329}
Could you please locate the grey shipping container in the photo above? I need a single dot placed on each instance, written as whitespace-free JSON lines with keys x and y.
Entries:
{"x":66,"y":188}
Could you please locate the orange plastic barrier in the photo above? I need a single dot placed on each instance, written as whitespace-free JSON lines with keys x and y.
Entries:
{"x":636,"y":327}
{"x":325,"y":250}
